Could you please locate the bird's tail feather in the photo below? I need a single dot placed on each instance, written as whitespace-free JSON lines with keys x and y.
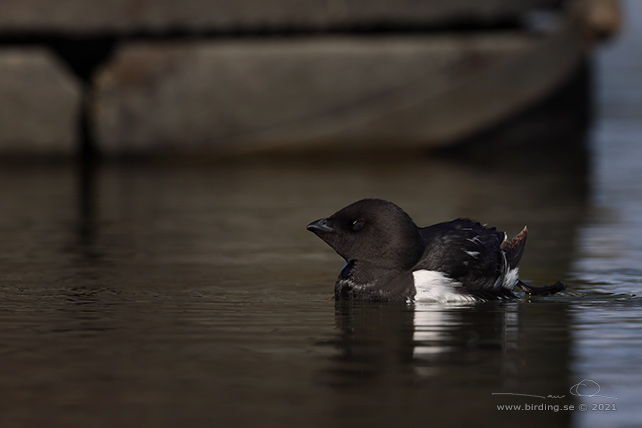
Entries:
{"x":514,"y":248}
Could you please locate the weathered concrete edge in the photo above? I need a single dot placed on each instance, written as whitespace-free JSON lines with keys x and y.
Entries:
{"x":422,"y":112}
{"x":46,"y":100}
{"x":546,"y":67}
{"x":452,"y":114}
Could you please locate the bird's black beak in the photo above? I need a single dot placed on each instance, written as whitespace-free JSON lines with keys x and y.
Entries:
{"x":320,"y":226}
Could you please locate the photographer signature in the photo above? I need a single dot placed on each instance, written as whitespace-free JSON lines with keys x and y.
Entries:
{"x":584,"y":388}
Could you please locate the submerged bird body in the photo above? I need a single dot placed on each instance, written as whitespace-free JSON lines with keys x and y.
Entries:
{"x":389,"y":258}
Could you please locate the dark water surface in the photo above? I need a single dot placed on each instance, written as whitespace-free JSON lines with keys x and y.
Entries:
{"x":168,"y":296}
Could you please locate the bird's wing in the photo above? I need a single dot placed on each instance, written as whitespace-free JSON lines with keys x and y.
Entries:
{"x":466,"y":251}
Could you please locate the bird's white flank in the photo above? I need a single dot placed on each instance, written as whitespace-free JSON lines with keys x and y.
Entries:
{"x":434,"y":286}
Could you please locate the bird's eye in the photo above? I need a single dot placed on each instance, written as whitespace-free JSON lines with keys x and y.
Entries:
{"x":356,"y":225}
